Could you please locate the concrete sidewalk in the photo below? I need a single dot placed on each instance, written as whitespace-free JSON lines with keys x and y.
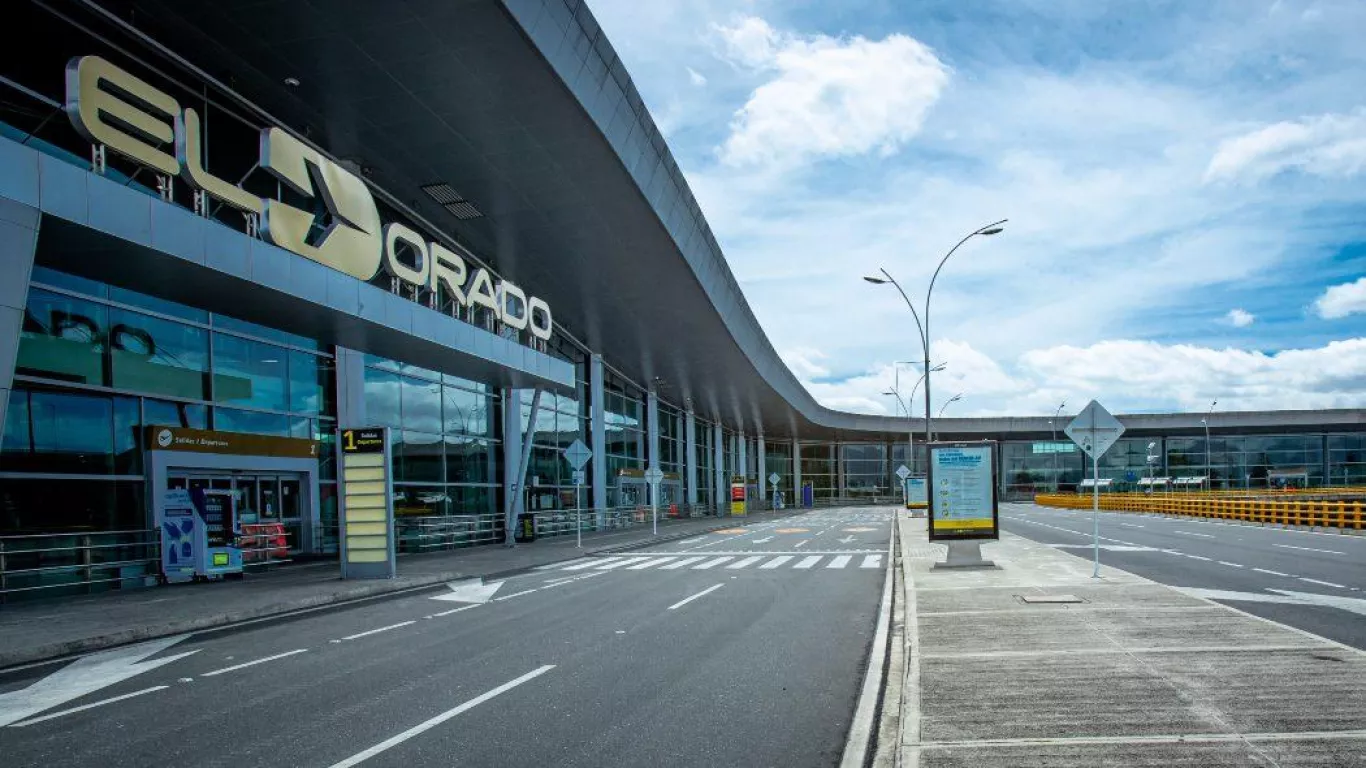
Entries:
{"x":1137,"y":674}
{"x":45,"y":630}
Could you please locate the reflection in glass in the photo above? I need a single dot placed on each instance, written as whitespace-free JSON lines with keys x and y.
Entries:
{"x":127,"y":431}
{"x":312,"y":382}
{"x":148,"y":354}
{"x":465,"y":412}
{"x":57,"y":279}
{"x":41,"y":506}
{"x":421,"y":405}
{"x":63,"y":338}
{"x":248,"y":373}
{"x":226,"y":323}
{"x":252,"y":422}
{"x":418,"y":457}
{"x":160,"y":306}
{"x":382,"y":398}
{"x":71,"y":433}
{"x":161,"y":412}
{"x":470,"y":460}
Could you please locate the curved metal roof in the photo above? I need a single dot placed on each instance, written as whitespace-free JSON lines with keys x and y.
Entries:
{"x":525,"y":110}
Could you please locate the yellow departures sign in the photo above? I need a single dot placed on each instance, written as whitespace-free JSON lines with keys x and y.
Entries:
{"x":112,"y":107}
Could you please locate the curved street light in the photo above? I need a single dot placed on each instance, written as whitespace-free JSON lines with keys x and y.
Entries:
{"x":1052,"y":426}
{"x":993,"y":228}
{"x":1209,"y":470}
{"x":949,"y":402}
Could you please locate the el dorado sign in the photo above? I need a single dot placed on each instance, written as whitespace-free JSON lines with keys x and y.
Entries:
{"x":113,"y":108}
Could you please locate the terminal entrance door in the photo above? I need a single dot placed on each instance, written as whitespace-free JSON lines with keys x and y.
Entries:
{"x":275,"y":497}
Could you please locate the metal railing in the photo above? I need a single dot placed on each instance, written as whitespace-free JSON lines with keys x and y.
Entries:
{"x":48,"y":564}
{"x":1341,"y":514}
{"x":430,"y":532}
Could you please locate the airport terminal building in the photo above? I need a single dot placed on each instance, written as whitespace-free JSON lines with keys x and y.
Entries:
{"x":230,"y":230}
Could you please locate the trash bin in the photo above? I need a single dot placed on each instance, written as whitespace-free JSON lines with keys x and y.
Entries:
{"x":526,"y":528}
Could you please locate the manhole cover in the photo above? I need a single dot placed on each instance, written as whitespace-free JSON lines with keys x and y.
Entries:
{"x":1051,"y":599}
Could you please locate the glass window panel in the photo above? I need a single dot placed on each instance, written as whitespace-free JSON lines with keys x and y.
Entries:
{"x":466,"y":383}
{"x":41,"y":506}
{"x":420,"y":457}
{"x":312,"y":384}
{"x":421,"y":405}
{"x":160,"y":306}
{"x":223,"y":322}
{"x":382,"y":397}
{"x":383,"y":363}
{"x":127,"y":448}
{"x":16,"y":434}
{"x":63,"y":338}
{"x":302,"y":428}
{"x":254,"y":422}
{"x":465,"y":412}
{"x":470,"y":460}
{"x":163,"y":357}
{"x":71,"y":433}
{"x":169,"y":414}
{"x":249,"y":373}
{"x":327,"y":452}
{"x":52,"y":277}
{"x":421,"y":501}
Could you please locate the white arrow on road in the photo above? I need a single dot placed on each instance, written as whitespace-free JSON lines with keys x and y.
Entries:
{"x":845,"y":540}
{"x":469,"y":591}
{"x":86,"y":675}
{"x":1285,"y":597}
{"x":761,"y":541}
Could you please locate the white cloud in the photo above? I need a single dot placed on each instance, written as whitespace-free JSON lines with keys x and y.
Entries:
{"x":1322,"y":145}
{"x":1240,"y":318}
{"x":696,"y":77}
{"x":803,"y":362}
{"x":1342,"y":300}
{"x":827,"y":96}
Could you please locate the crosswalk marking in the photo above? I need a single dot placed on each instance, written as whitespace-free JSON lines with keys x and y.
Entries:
{"x":872,"y":561}
{"x":777,"y":561}
{"x":712,"y":563}
{"x":746,"y":562}
{"x":649,"y":563}
{"x":808,"y":562}
{"x":681,"y":563}
{"x":839,"y":562}
{"x":627,"y":561}
{"x":589,"y":564}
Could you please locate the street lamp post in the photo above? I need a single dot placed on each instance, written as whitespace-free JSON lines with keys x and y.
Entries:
{"x":1209,"y":469}
{"x":1054,"y":448}
{"x":924,"y":328}
{"x":949,"y":402}
{"x":910,"y":423}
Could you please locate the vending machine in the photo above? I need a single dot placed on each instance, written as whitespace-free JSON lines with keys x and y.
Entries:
{"x":199,"y":531}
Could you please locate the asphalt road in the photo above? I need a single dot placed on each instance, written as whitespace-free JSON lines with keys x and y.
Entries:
{"x":740,"y":648}
{"x":1314,"y":581}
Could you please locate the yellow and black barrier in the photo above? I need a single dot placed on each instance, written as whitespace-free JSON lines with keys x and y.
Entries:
{"x":1340,"y":513}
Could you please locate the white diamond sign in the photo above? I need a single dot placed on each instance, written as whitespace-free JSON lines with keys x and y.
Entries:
{"x":577,"y":454}
{"x":653,"y":475}
{"x":1094,"y":429}
{"x":773,"y":479}
{"x":902,"y":472}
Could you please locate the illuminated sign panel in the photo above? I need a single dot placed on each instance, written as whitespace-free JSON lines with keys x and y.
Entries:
{"x":113,"y":108}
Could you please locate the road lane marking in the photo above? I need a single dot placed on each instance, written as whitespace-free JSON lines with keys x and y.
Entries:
{"x":1200,"y":557}
{"x":1231,"y":565}
{"x":745,"y":563}
{"x":627,"y":561}
{"x":590,"y":564}
{"x":1309,"y":549}
{"x":91,"y":705}
{"x":801,"y":543}
{"x":1273,"y":573}
{"x":872,"y":561}
{"x":514,"y":594}
{"x":1190,"y":533}
{"x":775,"y":562}
{"x":687,"y":600}
{"x":808,"y":562}
{"x":1324,"y":583}
{"x":683,"y":562}
{"x":839,"y":562}
{"x":1130,"y":525}
{"x":711,"y":563}
{"x":650,"y":563}
{"x":381,"y":629}
{"x":236,"y":667}
{"x":427,"y":725}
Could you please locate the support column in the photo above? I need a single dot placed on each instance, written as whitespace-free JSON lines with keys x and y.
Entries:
{"x":598,"y":440}
{"x":718,"y":471}
{"x":690,"y":457}
{"x":839,"y":466}
{"x":651,"y":438}
{"x":762,"y":469}
{"x":741,"y":457}
{"x":796,"y":473}
{"x":512,"y":457}
{"x":351,"y":388}
{"x":18,"y":241}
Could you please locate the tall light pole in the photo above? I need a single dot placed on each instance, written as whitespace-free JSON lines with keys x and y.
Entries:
{"x":924,"y":329}
{"x":1054,"y":448}
{"x":910,"y":424}
{"x":949,"y":402}
{"x":1209,"y":470}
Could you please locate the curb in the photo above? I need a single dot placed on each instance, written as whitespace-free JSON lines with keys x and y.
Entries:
{"x":362,"y":593}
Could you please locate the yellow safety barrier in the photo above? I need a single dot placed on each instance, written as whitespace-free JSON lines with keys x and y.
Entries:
{"x":1341,"y":513}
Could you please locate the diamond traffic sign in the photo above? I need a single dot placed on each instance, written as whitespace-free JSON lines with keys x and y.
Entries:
{"x":903,"y":472}
{"x":1094,"y":429}
{"x":577,"y":454}
{"x":653,"y":475}
{"x":773,"y":479}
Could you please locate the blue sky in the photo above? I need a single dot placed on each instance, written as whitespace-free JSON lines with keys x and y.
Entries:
{"x":1185,"y":184}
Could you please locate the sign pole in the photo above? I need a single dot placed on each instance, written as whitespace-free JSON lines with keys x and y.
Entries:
{"x":578,"y":514}
{"x":1095,"y":516}
{"x":654,"y":508}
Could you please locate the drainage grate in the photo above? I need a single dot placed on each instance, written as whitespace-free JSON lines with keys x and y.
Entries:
{"x":1050,"y":599}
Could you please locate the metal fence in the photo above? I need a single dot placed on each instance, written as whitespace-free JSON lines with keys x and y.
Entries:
{"x":1341,"y":514}
{"x":54,"y":564}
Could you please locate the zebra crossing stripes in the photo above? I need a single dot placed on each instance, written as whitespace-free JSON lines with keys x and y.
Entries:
{"x":734,"y":562}
{"x":839,"y":561}
{"x":776,"y":562}
{"x":627,"y":561}
{"x":683,"y":562}
{"x":580,"y":566}
{"x":712,"y":563}
{"x":872,"y":561}
{"x":649,"y":563}
{"x":745,"y":563}
{"x":809,"y":562}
